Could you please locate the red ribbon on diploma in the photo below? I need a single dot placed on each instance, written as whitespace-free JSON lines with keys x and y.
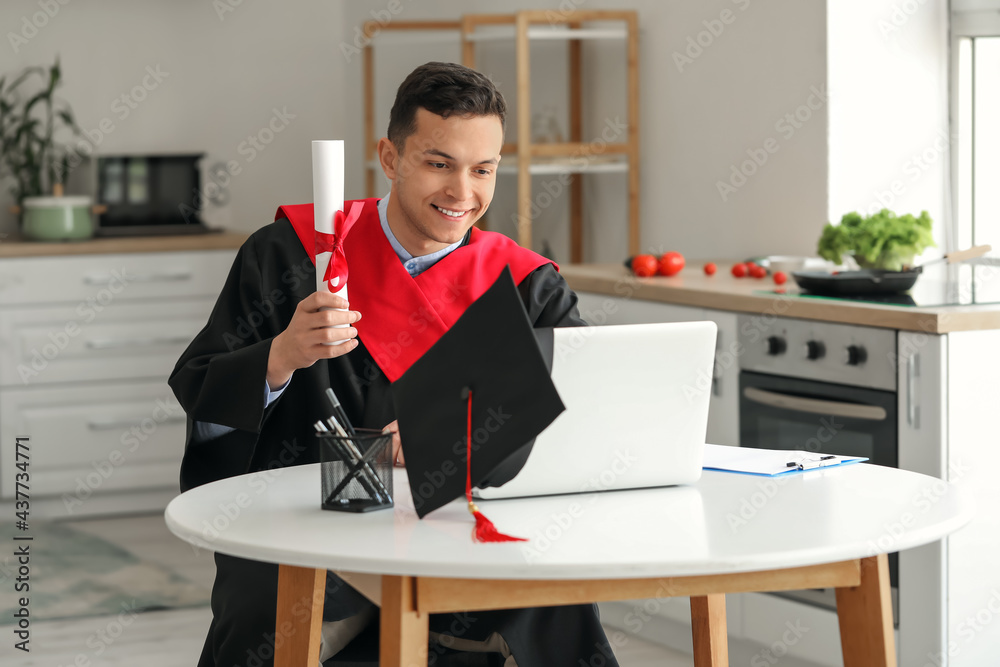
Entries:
{"x":334,"y":243}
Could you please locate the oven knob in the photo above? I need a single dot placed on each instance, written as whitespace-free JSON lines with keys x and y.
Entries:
{"x":855,"y":355}
{"x":815,"y":350}
{"x":775,"y":345}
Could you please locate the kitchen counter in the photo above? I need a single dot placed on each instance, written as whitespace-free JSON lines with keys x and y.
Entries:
{"x":692,"y":287}
{"x":19,"y":247}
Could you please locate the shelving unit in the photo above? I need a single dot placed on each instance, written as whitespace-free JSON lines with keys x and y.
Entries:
{"x":370,"y":29}
{"x":575,"y":157}
{"x":524,"y":27}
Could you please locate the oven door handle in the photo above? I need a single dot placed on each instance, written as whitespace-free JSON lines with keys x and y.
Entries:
{"x":815,"y":405}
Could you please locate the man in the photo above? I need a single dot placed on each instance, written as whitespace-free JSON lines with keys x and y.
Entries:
{"x":253,"y":380}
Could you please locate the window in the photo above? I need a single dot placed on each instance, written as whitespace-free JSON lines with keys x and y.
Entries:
{"x":976,"y":121}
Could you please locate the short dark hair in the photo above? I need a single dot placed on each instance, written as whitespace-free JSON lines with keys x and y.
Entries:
{"x":445,"y":89}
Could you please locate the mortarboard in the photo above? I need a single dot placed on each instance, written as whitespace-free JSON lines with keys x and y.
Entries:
{"x":484,"y":386}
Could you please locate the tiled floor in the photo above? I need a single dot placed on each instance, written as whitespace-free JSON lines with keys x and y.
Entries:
{"x":174,"y":638}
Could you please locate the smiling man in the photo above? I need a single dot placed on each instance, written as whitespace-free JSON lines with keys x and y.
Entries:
{"x":252,"y":382}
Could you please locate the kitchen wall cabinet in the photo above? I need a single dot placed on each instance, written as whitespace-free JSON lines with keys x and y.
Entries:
{"x":86,"y":345}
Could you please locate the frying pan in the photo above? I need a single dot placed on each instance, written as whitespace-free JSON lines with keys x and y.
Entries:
{"x":875,"y":281}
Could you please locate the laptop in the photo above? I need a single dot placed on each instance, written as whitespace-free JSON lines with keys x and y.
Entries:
{"x":636,"y":415}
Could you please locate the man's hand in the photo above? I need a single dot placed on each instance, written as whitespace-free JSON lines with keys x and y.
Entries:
{"x":397,"y":444}
{"x":301,"y":344}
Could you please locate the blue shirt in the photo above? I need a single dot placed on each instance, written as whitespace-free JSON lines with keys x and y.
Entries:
{"x":413,"y":265}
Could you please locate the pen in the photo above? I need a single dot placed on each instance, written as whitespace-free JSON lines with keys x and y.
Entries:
{"x":338,"y":412}
{"x":811,"y":463}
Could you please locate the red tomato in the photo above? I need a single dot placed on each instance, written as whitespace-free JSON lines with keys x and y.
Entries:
{"x":710,"y":269}
{"x":671,"y":263}
{"x":780,"y":277}
{"x":739,"y":270}
{"x":644,"y":265}
{"x":757,"y":271}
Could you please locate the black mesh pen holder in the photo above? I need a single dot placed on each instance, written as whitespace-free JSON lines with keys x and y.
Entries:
{"x":356,"y":471}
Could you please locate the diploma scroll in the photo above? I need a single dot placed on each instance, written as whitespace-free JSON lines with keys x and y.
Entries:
{"x":328,"y":199}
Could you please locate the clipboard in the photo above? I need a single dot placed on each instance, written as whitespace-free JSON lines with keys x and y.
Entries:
{"x":770,"y":462}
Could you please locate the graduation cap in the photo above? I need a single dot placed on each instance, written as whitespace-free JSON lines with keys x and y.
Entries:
{"x":469,"y":409}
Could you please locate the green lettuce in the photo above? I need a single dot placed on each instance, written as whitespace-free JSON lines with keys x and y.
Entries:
{"x":880,"y":241}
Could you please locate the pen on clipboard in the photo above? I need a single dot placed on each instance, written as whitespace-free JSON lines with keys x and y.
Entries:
{"x":812,"y":463}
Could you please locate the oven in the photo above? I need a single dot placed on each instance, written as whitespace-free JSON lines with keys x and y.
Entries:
{"x":823,"y":388}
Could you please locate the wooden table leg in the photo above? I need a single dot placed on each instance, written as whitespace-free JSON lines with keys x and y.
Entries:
{"x":301,"y":593}
{"x":865,"y":614}
{"x":403,"y":633}
{"x":708,"y":630}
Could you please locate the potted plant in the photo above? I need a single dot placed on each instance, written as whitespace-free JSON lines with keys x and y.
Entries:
{"x":30,"y":121}
{"x":879,"y":241}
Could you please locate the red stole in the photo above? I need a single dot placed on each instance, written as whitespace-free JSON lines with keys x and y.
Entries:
{"x":403,"y":316}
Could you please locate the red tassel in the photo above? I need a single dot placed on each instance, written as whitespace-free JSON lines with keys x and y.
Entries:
{"x":484,"y":531}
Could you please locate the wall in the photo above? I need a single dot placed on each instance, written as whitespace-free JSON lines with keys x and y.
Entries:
{"x":227,"y":69}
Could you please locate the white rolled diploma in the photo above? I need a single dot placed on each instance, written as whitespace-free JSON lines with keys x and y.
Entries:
{"x":328,"y":198}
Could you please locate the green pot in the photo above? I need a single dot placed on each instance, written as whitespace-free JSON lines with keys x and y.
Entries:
{"x":57,"y":218}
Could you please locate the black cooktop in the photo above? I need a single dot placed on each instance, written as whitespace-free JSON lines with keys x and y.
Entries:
{"x":957,"y":285}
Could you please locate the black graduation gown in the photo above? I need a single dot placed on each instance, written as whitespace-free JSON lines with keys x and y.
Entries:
{"x":220,"y":379}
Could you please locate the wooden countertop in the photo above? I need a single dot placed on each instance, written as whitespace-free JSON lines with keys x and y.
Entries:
{"x":19,"y":247}
{"x":692,"y":287}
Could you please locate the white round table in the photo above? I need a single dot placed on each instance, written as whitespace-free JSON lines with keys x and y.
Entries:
{"x":727,"y":533}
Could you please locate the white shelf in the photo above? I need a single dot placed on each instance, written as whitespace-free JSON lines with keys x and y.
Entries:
{"x":508,"y":33}
{"x":508,"y":167}
{"x":425,"y":37}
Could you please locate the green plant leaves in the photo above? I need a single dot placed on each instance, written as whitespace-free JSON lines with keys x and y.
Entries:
{"x":27,"y":129}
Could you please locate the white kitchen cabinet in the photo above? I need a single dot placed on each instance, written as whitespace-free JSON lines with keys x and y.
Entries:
{"x":724,"y":406}
{"x":973,"y":463}
{"x":56,"y":344}
{"x":93,"y":438}
{"x":86,"y":345}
